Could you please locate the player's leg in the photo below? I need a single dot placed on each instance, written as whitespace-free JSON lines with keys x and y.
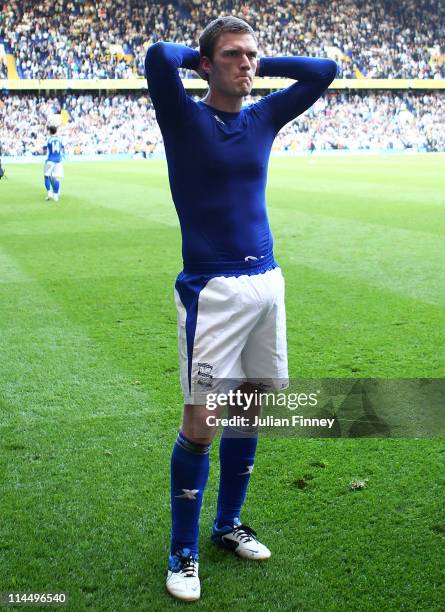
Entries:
{"x":47,"y":178}
{"x":237,"y":455}
{"x":237,"y":458}
{"x":189,"y":470}
{"x":204,"y":354}
{"x":56,"y":189}
{"x":48,"y":188}
{"x":57,"y":179}
{"x":264,"y":359}
{"x":189,"y":474}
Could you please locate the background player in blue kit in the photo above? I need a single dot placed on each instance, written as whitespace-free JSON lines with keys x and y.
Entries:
{"x":53,"y":165}
{"x":230,"y":295}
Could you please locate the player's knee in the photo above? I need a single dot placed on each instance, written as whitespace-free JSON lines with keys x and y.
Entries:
{"x":195,"y":426}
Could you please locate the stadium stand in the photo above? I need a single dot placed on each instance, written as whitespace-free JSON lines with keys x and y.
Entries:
{"x":125,"y":123}
{"x":85,"y":40}
{"x":3,"y":66}
{"x":108,"y":39}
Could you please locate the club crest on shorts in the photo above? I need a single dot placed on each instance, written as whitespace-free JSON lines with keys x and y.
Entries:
{"x":204,"y":375}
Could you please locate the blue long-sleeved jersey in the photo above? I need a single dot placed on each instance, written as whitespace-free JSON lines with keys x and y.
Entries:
{"x":54,"y":148}
{"x":218,"y":161}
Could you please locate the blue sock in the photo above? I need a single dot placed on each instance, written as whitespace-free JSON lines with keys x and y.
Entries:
{"x":56,"y":186}
{"x":189,"y":473}
{"x":47,"y":183}
{"x":236,"y":457}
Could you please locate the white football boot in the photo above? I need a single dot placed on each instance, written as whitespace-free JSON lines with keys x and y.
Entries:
{"x":242,"y":540}
{"x":182,"y":576}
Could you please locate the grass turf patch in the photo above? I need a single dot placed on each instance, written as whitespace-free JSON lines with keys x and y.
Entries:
{"x":90,"y":400}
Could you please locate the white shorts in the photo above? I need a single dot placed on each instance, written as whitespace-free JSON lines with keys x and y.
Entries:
{"x":231,"y":330}
{"x":54,"y":169}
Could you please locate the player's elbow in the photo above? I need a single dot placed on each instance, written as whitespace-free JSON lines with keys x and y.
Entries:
{"x":155,"y":54}
{"x":329,"y":70}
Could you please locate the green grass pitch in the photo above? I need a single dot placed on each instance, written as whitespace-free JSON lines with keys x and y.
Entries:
{"x":90,"y":400}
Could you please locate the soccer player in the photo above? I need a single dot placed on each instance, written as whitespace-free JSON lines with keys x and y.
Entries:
{"x":230,"y":294}
{"x":53,"y":165}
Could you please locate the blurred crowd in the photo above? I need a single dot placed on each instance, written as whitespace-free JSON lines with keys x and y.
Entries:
{"x":93,"y":124}
{"x":90,"y":124}
{"x":108,"y":38}
{"x":371,"y":121}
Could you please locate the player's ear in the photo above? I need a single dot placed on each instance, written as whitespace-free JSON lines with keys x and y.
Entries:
{"x":205,"y":67}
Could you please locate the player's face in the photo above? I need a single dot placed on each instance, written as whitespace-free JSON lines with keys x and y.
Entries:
{"x":234,"y":64}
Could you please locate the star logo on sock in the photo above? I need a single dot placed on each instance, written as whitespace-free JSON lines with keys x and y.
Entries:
{"x":188,"y":494}
{"x":249,"y":469}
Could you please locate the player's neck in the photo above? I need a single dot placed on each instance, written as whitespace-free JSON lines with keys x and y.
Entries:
{"x":227,"y":104}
